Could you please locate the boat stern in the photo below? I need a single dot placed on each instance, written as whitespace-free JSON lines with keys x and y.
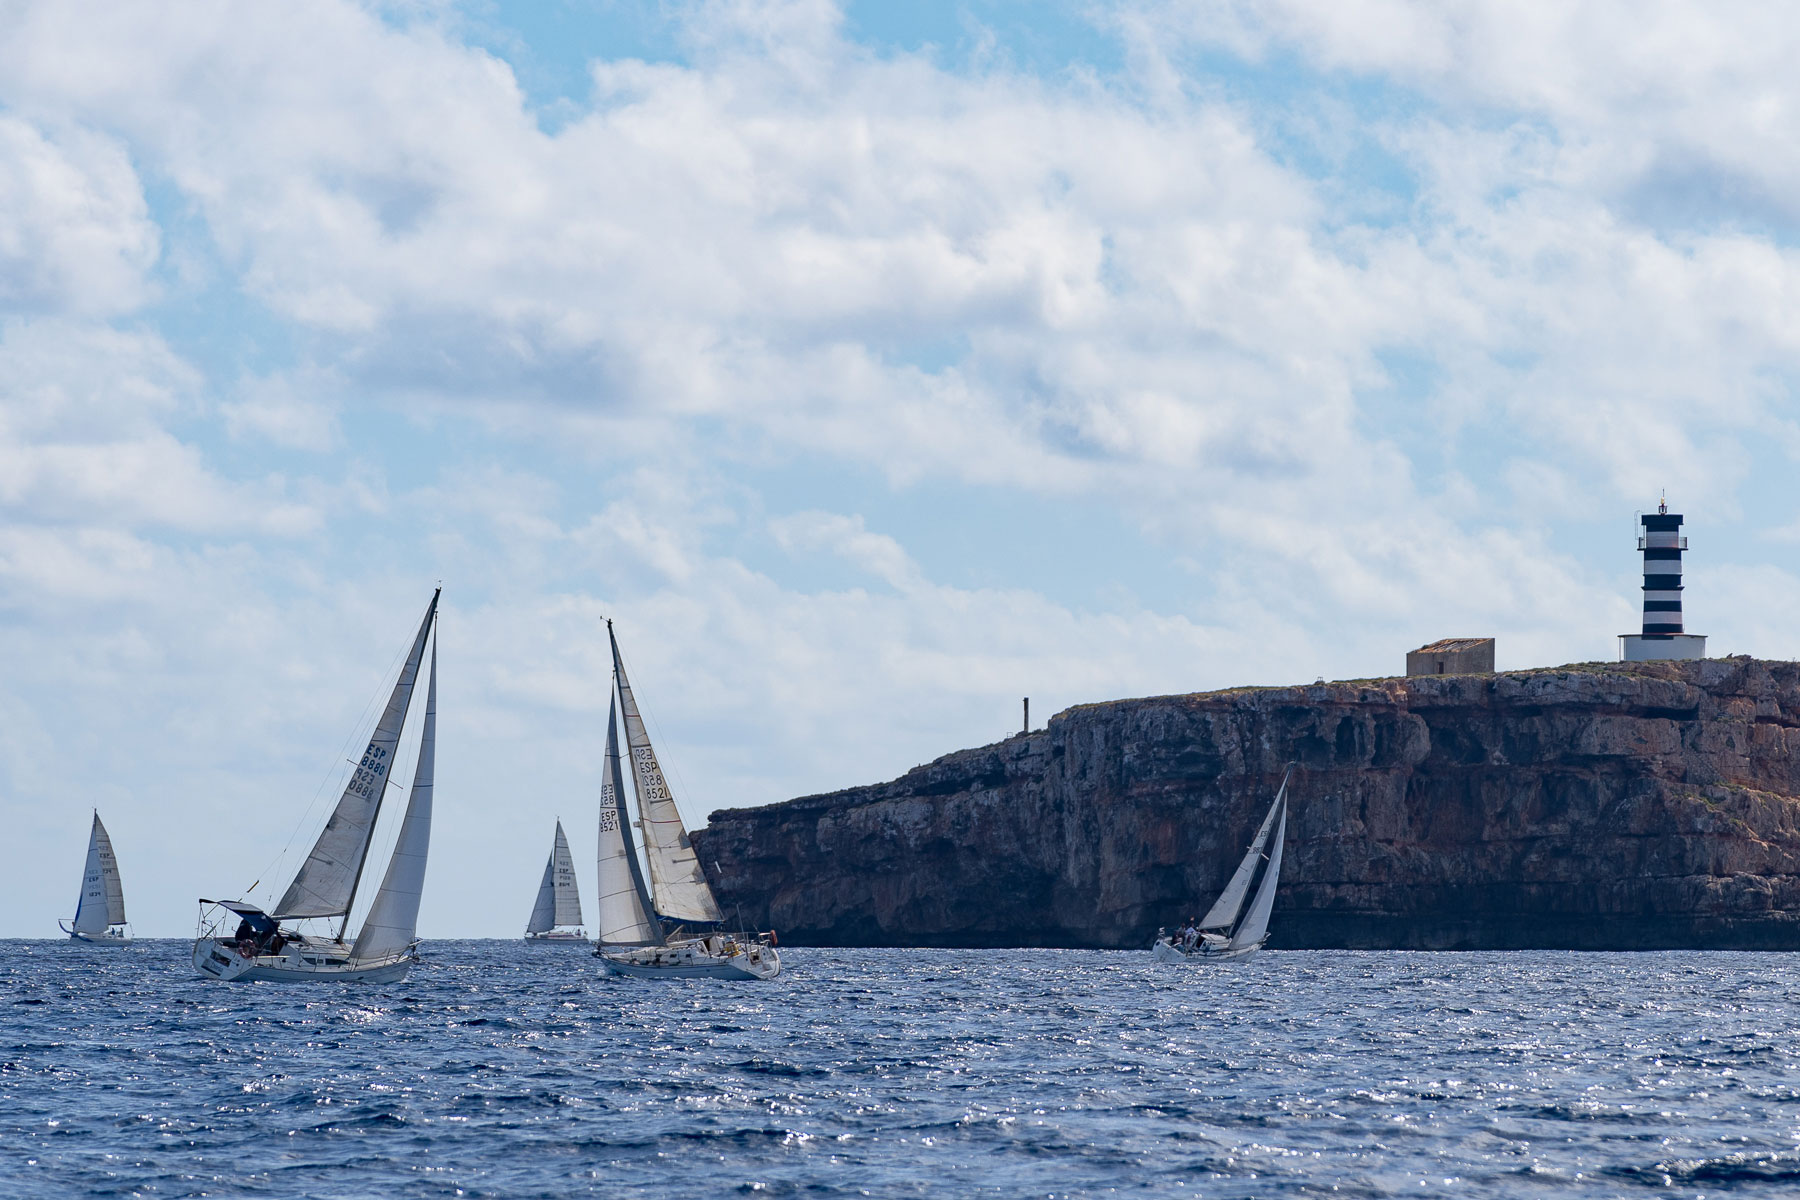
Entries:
{"x":758,"y":960}
{"x":216,"y":958}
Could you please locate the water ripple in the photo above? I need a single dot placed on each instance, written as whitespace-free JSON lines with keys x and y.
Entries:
{"x":502,"y":1070}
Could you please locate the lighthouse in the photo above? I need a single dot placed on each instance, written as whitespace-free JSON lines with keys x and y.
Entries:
{"x":1663,"y":635}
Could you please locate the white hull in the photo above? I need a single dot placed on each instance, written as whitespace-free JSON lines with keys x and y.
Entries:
{"x":218,"y":958}
{"x":559,"y":939}
{"x":100,"y":939}
{"x":694,"y":960}
{"x":1162,"y":951}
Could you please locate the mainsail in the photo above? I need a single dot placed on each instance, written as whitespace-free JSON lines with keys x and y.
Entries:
{"x":558,"y":903}
{"x":1224,"y":912}
{"x":102,"y":902}
{"x":393,"y":919}
{"x":678,"y":887}
{"x":326,"y":883}
{"x":1256,"y":921}
{"x":624,"y":914}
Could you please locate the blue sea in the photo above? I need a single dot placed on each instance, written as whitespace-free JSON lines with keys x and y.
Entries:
{"x":506,"y":1070}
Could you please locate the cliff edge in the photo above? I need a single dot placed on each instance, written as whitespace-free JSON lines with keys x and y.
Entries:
{"x":1593,"y":806}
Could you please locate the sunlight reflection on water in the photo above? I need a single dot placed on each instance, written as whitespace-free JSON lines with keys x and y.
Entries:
{"x":501,"y":1070}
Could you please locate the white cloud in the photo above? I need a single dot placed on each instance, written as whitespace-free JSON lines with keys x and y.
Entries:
{"x":552,"y":368}
{"x":75,"y":235}
{"x":876,"y":553}
{"x":295,"y":411}
{"x":83,"y":439}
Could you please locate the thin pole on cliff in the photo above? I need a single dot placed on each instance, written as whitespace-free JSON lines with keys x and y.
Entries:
{"x":1028,"y":714}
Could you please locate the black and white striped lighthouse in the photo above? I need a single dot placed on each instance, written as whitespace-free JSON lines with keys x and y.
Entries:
{"x":1663,"y":635}
{"x":1662,"y":545}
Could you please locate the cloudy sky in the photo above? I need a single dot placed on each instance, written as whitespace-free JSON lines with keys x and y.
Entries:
{"x":872,"y":366}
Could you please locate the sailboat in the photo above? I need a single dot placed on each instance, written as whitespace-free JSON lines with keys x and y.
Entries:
{"x":650,"y":931}
{"x":100,"y":913}
{"x":265,"y":947}
{"x":1231,"y":929}
{"x":558,"y":906}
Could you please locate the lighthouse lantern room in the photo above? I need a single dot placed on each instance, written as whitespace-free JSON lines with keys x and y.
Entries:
{"x":1663,"y":636}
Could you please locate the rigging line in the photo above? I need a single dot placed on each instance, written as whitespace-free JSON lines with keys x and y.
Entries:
{"x":383,"y":681}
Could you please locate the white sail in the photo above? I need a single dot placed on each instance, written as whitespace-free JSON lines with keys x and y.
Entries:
{"x":393,"y":919}
{"x":1224,"y":912}
{"x":94,"y":912}
{"x":624,"y":914}
{"x":558,"y":901}
{"x":109,"y":873}
{"x":543,"y":913}
{"x":326,"y":883}
{"x":678,"y":888}
{"x":568,"y":899}
{"x":1256,"y":921}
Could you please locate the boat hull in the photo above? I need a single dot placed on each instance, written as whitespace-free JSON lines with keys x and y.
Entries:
{"x":558,"y":939}
{"x":217,"y":958}
{"x":1164,"y":952}
{"x":694,"y":960}
{"x":99,"y":939}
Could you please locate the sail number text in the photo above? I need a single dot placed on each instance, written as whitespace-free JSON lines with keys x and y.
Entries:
{"x":370,"y":772}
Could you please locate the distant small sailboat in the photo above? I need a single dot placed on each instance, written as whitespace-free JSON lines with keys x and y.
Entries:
{"x":1230,"y":929}
{"x":557,"y":915}
{"x":100,"y":913}
{"x":642,"y":928}
{"x":326,"y":885}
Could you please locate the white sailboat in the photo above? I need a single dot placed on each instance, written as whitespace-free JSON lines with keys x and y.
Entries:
{"x":100,"y":913}
{"x":646,"y":931}
{"x":265,"y":948}
{"x":556,"y":917}
{"x":1230,"y":929}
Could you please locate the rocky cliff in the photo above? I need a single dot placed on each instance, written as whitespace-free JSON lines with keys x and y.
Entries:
{"x":1591,"y":806}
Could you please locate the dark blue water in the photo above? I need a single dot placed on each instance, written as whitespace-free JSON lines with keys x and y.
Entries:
{"x":506,"y":1070}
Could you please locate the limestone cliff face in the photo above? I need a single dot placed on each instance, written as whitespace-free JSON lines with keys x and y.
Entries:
{"x":1603,"y":806}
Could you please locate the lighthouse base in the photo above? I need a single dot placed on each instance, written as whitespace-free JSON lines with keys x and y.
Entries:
{"x":1636,"y":647}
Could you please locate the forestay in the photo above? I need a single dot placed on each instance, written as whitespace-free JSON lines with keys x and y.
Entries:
{"x":678,"y":888}
{"x":393,"y":919}
{"x":326,"y":882}
{"x":1224,"y":912}
{"x":624,"y":904}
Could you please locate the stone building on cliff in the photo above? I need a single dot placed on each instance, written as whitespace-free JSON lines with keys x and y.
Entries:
{"x":1452,"y":656}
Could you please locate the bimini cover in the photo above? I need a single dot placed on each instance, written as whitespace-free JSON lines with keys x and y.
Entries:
{"x":259,"y":920}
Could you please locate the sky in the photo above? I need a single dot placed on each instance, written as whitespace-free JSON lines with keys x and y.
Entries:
{"x":871,"y":366}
